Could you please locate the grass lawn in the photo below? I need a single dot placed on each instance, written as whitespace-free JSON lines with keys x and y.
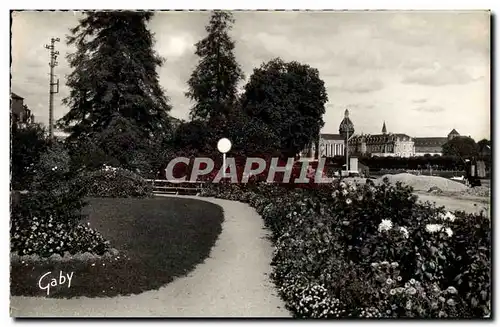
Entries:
{"x":158,"y":239}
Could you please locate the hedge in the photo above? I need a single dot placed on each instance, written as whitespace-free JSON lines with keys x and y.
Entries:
{"x":361,"y":250}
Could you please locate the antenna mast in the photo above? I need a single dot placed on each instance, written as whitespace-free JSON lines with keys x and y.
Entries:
{"x":53,"y":63}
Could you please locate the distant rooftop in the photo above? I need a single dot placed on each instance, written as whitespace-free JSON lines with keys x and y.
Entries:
{"x":15,"y":96}
{"x":430,"y":141}
{"x":331,"y":136}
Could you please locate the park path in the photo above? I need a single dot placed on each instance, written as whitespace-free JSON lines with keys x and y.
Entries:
{"x":232,"y":282}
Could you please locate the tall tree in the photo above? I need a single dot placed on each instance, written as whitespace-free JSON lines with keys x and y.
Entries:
{"x":484,"y":146}
{"x":461,"y":146}
{"x":213,"y":83}
{"x":290,"y":99}
{"x":114,"y":76}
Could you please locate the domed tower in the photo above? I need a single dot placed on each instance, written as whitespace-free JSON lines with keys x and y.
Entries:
{"x":346,"y":130}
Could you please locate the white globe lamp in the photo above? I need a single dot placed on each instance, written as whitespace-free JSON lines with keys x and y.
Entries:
{"x":224,"y":145}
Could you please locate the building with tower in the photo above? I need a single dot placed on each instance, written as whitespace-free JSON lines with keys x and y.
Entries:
{"x":385,"y":144}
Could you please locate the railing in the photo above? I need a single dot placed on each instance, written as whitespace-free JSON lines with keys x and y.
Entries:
{"x":163,"y":186}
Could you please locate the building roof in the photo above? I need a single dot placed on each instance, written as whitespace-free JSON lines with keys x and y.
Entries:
{"x":389,"y":136}
{"x":454,"y":132}
{"x":401,"y":135}
{"x":430,"y":141}
{"x":331,"y":136}
{"x":15,"y":96}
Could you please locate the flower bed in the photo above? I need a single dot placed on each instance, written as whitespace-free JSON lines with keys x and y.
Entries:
{"x":45,"y":237}
{"x":115,"y":183}
{"x":47,"y":219}
{"x":366,"y":250}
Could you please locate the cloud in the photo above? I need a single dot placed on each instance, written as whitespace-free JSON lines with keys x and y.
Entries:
{"x":360,"y":106}
{"x":420,"y":101}
{"x":356,"y":53}
{"x":438,"y":76}
{"x":361,"y":85}
{"x":176,"y":46}
{"x":429,"y":109}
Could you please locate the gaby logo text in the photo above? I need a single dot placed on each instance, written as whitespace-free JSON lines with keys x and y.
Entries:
{"x":45,"y":282}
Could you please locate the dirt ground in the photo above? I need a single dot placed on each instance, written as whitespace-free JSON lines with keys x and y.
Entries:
{"x":452,"y":195}
{"x":452,"y":202}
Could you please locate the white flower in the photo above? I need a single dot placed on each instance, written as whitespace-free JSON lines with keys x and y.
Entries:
{"x":342,"y":184}
{"x":451,"y":290}
{"x":348,"y":201}
{"x":411,"y":291}
{"x":344,"y":192}
{"x":385,"y":225}
{"x":449,"y":216}
{"x":404,"y":231}
{"x":449,"y":231}
{"x":432,"y":228}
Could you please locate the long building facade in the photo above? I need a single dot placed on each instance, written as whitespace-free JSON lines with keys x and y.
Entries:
{"x":385,"y":144}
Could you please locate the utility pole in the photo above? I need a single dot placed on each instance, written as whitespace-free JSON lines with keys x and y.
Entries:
{"x":53,"y":63}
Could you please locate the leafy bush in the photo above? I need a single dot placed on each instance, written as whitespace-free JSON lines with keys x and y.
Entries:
{"x":115,"y":182}
{"x":361,"y":250}
{"x":28,"y":144}
{"x":54,"y":190}
{"x":47,"y":220}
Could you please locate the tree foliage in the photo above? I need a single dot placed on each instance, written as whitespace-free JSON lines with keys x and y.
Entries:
{"x":114,"y":76}
{"x":249,"y":136}
{"x":213,"y":83}
{"x":28,"y":144}
{"x":288,"y":97}
{"x":484,"y":146}
{"x":461,"y":146}
{"x":195,"y":135}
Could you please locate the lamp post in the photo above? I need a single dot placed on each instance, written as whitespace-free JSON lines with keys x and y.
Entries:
{"x":224,"y":145}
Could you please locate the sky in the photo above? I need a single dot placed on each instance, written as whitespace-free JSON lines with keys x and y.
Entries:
{"x":423,"y":73}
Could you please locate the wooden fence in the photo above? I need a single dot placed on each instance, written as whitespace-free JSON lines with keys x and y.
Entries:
{"x":163,"y":186}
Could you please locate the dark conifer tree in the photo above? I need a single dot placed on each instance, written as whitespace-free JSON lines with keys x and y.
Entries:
{"x":213,"y":83}
{"x":114,"y":78}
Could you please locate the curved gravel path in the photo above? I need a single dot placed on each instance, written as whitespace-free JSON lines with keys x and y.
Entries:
{"x":232,"y":282}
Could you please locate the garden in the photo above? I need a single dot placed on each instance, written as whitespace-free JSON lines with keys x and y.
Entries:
{"x":371,"y":251}
{"x":82,"y":208}
{"x":104,"y":227}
